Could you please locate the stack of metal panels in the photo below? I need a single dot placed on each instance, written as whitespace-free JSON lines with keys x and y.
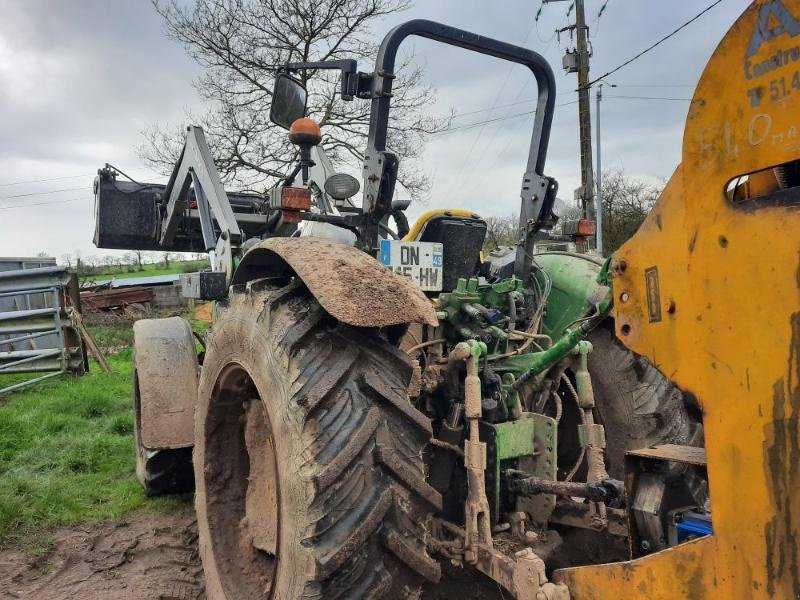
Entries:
{"x":37,"y":336}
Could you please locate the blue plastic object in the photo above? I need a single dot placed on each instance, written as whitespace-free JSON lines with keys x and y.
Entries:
{"x":693,"y":525}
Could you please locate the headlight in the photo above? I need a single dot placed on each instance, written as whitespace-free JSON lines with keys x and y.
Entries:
{"x":341,"y":186}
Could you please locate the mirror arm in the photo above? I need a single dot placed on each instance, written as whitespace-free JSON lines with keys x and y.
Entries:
{"x":354,"y":84}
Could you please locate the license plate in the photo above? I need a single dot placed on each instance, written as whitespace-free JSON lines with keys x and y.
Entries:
{"x":421,"y":262}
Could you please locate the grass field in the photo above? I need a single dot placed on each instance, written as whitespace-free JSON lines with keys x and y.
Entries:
{"x":67,"y":451}
{"x":149,"y":270}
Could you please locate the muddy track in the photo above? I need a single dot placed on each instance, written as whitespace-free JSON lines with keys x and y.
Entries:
{"x":150,"y":557}
{"x":146,"y":556}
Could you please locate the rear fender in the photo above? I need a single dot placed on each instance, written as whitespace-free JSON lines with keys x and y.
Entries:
{"x":165,"y":364}
{"x":350,"y":285}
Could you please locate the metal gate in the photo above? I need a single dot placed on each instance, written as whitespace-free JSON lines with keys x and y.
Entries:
{"x":37,"y":337}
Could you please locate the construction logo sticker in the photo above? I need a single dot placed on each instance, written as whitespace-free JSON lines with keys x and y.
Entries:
{"x":773,"y":20}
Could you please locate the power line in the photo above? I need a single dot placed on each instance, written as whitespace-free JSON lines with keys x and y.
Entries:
{"x":524,"y":86}
{"x":43,"y":180}
{"x":489,"y":145}
{"x":655,"y":85}
{"x":479,"y":123}
{"x":481,"y":110}
{"x":494,"y":120}
{"x":646,"y":98}
{"x":602,"y":10}
{"x":41,"y":203}
{"x":43,"y":193}
{"x":663,"y":39}
{"x":536,"y":25}
{"x":516,"y":102}
{"x":494,"y":105}
{"x":530,"y":112}
{"x":596,"y":24}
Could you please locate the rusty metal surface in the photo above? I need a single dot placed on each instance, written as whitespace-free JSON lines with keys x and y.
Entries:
{"x":582,"y":515}
{"x":349,"y":284}
{"x":692,"y":455}
{"x":114,"y":298}
{"x":166,"y":367}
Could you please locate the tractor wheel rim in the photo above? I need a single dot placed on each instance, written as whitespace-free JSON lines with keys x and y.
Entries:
{"x":241,"y":486}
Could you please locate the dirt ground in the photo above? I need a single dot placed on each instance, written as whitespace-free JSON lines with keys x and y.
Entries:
{"x":149,"y":557}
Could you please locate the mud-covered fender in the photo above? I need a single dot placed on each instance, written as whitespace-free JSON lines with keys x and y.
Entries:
{"x":165,"y":376}
{"x":350,"y":285}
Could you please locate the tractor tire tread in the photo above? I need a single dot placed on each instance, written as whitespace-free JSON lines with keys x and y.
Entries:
{"x":636,"y":403}
{"x":346,"y":400}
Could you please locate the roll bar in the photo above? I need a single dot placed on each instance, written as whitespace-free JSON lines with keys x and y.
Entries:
{"x":380,"y":166}
{"x":384,"y":75}
{"x":537,"y":192}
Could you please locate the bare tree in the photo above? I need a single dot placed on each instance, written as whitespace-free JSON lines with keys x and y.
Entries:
{"x":569,"y":212}
{"x":239,"y":44}
{"x":137,"y":255}
{"x":500,"y":231}
{"x":626,"y":202}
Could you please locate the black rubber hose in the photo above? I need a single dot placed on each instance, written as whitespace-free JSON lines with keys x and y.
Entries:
{"x":401,"y":221}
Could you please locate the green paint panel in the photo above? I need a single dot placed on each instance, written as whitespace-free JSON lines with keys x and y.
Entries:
{"x":543,"y":465}
{"x":515,"y":438}
{"x":574,"y":278}
{"x":512,"y":439}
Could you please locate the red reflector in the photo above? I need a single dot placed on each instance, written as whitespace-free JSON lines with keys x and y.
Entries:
{"x":291,"y":216}
{"x":296,"y":198}
{"x":586,"y":227}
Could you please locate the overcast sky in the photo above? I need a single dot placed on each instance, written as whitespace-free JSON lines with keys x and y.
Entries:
{"x":80,"y":80}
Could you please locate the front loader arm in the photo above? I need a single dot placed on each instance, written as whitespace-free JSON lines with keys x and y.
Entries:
{"x":196,"y":167}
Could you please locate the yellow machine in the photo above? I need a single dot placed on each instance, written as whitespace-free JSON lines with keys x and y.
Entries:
{"x":709,"y":290}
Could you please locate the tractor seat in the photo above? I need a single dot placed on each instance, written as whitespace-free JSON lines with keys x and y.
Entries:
{"x":461,"y":234}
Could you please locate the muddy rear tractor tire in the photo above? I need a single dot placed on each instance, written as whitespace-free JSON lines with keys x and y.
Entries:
{"x":308,"y":456}
{"x":638,"y":406}
{"x":164,"y":394}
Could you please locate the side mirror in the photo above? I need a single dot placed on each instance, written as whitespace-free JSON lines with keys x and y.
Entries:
{"x":288,"y":101}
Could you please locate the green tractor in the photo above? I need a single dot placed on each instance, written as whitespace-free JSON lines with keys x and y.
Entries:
{"x":372,"y":403}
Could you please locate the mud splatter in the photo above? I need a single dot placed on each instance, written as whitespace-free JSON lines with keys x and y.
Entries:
{"x":782,"y":466}
{"x":693,"y":241}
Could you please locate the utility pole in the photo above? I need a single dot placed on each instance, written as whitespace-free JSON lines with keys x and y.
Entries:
{"x":599,"y":198}
{"x":584,"y":115}
{"x":577,"y":61}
